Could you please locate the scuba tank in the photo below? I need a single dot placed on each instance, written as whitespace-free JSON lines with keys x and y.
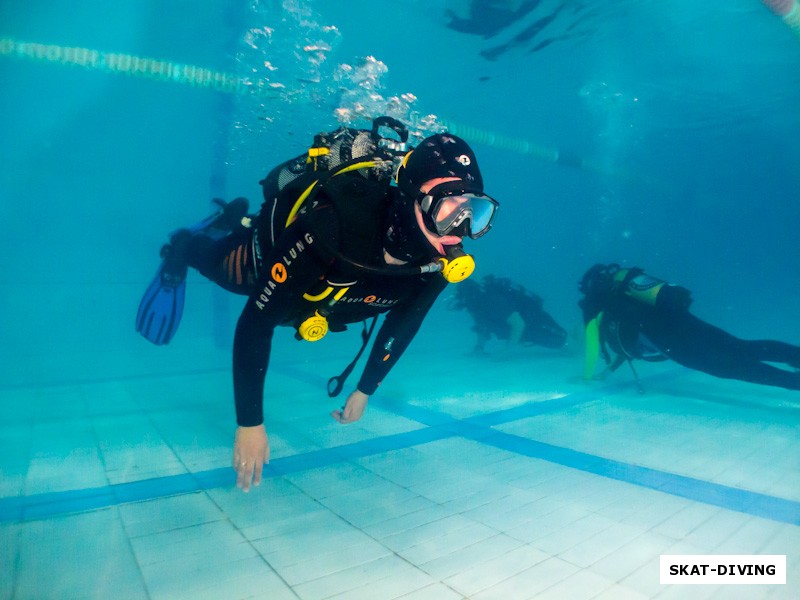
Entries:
{"x":638,"y":285}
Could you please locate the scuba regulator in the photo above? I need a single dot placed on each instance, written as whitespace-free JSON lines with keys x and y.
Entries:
{"x":455,"y":267}
{"x":314,"y":328}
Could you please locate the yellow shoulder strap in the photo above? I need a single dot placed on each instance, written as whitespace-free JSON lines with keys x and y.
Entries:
{"x":592,"y":346}
{"x":366,"y":164}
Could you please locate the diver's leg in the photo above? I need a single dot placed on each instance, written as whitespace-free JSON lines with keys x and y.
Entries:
{"x":228,"y":262}
{"x":755,"y":372}
{"x":704,"y":347}
{"x":215,"y":227}
{"x":219,"y":246}
{"x":774,"y":351}
{"x":769,"y":375}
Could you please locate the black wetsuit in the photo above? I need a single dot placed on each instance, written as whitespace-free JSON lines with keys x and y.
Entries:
{"x":301,"y":263}
{"x":492,"y":306}
{"x":638,"y":331}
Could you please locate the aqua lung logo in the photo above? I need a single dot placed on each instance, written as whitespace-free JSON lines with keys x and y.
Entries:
{"x":279,"y":271}
{"x":372,"y":300}
{"x":464,"y":160}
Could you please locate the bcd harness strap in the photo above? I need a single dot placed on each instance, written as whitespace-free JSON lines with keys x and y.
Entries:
{"x":353,"y":165}
{"x":336,"y":383}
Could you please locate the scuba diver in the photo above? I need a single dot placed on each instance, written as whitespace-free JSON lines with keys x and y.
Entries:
{"x":356,"y":227}
{"x":632,"y":315}
{"x":505,"y":310}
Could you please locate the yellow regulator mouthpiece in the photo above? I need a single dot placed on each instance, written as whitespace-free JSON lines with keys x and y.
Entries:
{"x":313,"y":328}
{"x":458,"y":268}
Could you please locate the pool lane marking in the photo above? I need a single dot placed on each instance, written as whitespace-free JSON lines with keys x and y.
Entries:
{"x":439,"y":426}
{"x":52,"y":504}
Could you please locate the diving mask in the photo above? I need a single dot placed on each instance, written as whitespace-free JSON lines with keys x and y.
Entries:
{"x":451,"y":209}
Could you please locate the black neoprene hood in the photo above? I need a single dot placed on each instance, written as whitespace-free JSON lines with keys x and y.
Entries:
{"x":441,"y":155}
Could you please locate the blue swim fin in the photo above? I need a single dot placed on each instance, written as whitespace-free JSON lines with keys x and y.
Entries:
{"x":161,"y":307}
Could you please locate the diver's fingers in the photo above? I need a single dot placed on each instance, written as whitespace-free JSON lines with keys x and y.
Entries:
{"x":258,"y":471}
{"x":339,"y":416}
{"x":244,"y":474}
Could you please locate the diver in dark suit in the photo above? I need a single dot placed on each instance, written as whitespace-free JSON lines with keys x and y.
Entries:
{"x":507,"y":311}
{"x":630,"y":315}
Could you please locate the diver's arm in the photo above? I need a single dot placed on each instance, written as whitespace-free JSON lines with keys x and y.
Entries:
{"x":398,"y":329}
{"x":279,"y":288}
{"x":592,"y":346}
{"x":287,"y":274}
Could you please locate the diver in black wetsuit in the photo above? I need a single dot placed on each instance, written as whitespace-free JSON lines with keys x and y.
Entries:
{"x":634,"y":316}
{"x":507,"y":311}
{"x":351,"y":246}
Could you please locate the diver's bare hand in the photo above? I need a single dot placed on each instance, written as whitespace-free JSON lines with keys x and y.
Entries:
{"x":250,"y":453}
{"x":353,"y":409}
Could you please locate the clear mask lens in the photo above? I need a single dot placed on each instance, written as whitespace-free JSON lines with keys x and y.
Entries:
{"x":470,"y":214}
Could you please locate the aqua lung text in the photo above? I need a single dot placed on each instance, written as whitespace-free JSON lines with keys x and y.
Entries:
{"x":280,"y":270}
{"x":372,"y":301}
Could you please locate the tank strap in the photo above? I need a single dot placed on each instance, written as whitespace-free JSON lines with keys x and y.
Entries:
{"x":624,"y":276}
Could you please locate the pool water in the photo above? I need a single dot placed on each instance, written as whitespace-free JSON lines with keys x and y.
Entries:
{"x":659,"y":134}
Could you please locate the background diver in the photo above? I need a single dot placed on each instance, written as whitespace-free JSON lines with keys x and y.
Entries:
{"x":631,"y":315}
{"x":335,"y":242}
{"x":507,"y":311}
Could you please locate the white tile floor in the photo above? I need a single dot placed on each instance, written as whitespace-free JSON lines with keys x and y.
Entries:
{"x":511,"y":487}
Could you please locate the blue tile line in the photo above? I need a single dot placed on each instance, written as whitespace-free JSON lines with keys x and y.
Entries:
{"x":744,"y":501}
{"x":50,"y":504}
{"x":439,"y":426}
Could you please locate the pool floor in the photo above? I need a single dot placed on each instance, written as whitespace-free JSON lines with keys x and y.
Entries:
{"x":488,"y":480}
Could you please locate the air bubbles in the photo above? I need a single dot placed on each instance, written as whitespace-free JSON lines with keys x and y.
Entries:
{"x":291,"y":70}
